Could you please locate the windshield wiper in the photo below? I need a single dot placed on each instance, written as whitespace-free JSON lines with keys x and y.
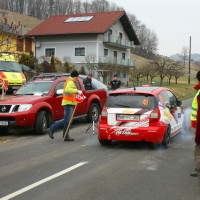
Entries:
{"x":29,"y":93}
{"x":15,"y":71}
{"x":3,"y":70}
{"x":122,"y":105}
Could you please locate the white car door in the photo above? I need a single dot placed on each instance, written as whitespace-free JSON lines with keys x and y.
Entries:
{"x":176,"y":111}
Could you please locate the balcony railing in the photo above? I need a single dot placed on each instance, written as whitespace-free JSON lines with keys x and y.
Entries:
{"x":106,"y":59}
{"x":117,"y":42}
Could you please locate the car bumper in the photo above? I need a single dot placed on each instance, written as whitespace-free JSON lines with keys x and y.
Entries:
{"x":149,"y":134}
{"x":21,"y":119}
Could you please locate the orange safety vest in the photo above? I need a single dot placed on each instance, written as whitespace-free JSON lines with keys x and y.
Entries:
{"x":69,"y":96}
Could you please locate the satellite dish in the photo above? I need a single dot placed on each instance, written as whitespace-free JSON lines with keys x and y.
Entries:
{"x":38,"y":44}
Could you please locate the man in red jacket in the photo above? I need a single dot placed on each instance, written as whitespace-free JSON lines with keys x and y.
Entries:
{"x":197,"y":125}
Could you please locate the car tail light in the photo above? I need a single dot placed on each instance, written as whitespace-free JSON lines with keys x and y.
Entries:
{"x":104,"y":116}
{"x":155,"y":115}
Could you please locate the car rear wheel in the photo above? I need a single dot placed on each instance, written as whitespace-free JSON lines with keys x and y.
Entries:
{"x":167,"y":139}
{"x":105,"y":142}
{"x":41,"y":122}
{"x":93,"y":113}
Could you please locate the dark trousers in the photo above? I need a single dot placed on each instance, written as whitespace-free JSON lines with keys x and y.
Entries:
{"x":68,"y":110}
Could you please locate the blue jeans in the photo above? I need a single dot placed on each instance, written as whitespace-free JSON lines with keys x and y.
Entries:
{"x":68,"y":109}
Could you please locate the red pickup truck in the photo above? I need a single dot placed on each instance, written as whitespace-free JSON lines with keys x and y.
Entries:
{"x":37,"y":103}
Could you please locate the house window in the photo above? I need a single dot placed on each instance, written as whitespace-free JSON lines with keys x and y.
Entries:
{"x":115,"y":54}
{"x":28,"y":45}
{"x":123,"y":56}
{"x":80,"y":51}
{"x":105,"y":52}
{"x":109,"y":34}
{"x":49,"y":52}
{"x":120,"y":37}
{"x":20,"y":44}
{"x":79,"y":19}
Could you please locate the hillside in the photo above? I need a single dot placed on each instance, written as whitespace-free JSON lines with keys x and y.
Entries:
{"x":140,"y":61}
{"x":27,"y":21}
{"x":194,"y":57}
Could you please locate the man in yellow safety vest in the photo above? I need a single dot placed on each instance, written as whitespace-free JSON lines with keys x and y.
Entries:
{"x":69,"y":91}
{"x":195,"y":119}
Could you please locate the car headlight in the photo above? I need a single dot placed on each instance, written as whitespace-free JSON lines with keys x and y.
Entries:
{"x":24,"y":107}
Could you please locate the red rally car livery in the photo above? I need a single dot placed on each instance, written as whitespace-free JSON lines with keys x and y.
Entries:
{"x":152,"y":114}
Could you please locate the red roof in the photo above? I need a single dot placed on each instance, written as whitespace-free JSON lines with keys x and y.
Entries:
{"x":56,"y":25}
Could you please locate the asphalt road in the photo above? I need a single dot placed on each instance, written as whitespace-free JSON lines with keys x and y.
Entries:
{"x":39,"y":168}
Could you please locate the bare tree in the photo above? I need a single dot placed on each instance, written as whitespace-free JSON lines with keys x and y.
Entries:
{"x":162,"y":66}
{"x":137,"y":73}
{"x":100,"y":6}
{"x":152,"y":73}
{"x":9,"y":32}
{"x":178,"y":72}
{"x":184,"y":55}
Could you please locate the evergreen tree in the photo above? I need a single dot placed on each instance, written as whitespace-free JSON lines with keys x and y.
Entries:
{"x":52,"y":65}
{"x":82,"y":71}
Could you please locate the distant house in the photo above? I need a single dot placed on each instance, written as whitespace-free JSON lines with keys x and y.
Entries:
{"x":88,"y":39}
{"x":12,"y":39}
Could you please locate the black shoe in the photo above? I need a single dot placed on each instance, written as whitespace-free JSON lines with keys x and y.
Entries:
{"x":69,"y":139}
{"x":194,"y":174}
{"x":50,"y":133}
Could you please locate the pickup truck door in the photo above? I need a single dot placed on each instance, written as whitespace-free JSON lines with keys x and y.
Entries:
{"x":81,"y":108}
{"x":57,"y":100}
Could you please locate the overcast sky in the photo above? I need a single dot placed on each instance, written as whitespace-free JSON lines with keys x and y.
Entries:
{"x":173,"y":21}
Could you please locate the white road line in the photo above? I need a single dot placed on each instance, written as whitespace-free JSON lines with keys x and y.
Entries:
{"x":25,"y":189}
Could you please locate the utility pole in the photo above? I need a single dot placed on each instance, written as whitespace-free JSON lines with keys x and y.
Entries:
{"x":189,"y":61}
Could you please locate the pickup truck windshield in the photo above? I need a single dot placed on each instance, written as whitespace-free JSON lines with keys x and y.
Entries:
{"x":10,"y":66}
{"x":34,"y":88}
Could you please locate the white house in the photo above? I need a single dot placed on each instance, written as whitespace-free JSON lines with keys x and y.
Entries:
{"x":104,"y":37}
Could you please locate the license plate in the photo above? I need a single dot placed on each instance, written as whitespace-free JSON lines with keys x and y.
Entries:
{"x":128,"y":117}
{"x":3,"y":123}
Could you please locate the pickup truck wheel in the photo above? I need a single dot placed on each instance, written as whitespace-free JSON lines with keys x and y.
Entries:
{"x":41,"y":122}
{"x":4,"y":131}
{"x":93,"y":113}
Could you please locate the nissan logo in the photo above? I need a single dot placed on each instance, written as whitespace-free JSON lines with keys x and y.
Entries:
{"x":3,"y":109}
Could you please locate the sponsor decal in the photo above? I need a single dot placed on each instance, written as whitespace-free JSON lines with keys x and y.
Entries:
{"x":167,"y":115}
{"x":161,"y":105}
{"x":127,"y":111}
{"x":126,"y":132}
{"x":14,"y":76}
{"x":145,"y":102}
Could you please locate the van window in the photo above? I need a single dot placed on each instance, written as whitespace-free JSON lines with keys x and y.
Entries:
{"x":131,"y":100}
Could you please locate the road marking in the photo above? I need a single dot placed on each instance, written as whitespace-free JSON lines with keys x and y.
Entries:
{"x":25,"y":189}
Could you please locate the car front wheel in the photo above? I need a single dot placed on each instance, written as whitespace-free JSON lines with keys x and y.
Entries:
{"x":41,"y":122}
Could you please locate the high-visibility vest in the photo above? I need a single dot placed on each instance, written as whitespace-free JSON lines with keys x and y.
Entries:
{"x":194,"y":107}
{"x":69,"y":96}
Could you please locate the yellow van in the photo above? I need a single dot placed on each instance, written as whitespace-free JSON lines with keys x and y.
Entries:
{"x":11,"y":71}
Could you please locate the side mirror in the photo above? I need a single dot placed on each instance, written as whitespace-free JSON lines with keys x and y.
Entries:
{"x":179,"y":103}
{"x":59,"y":92}
{"x":168,"y":106}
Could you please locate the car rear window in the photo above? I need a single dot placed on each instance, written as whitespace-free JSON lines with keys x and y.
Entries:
{"x":131,"y":100}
